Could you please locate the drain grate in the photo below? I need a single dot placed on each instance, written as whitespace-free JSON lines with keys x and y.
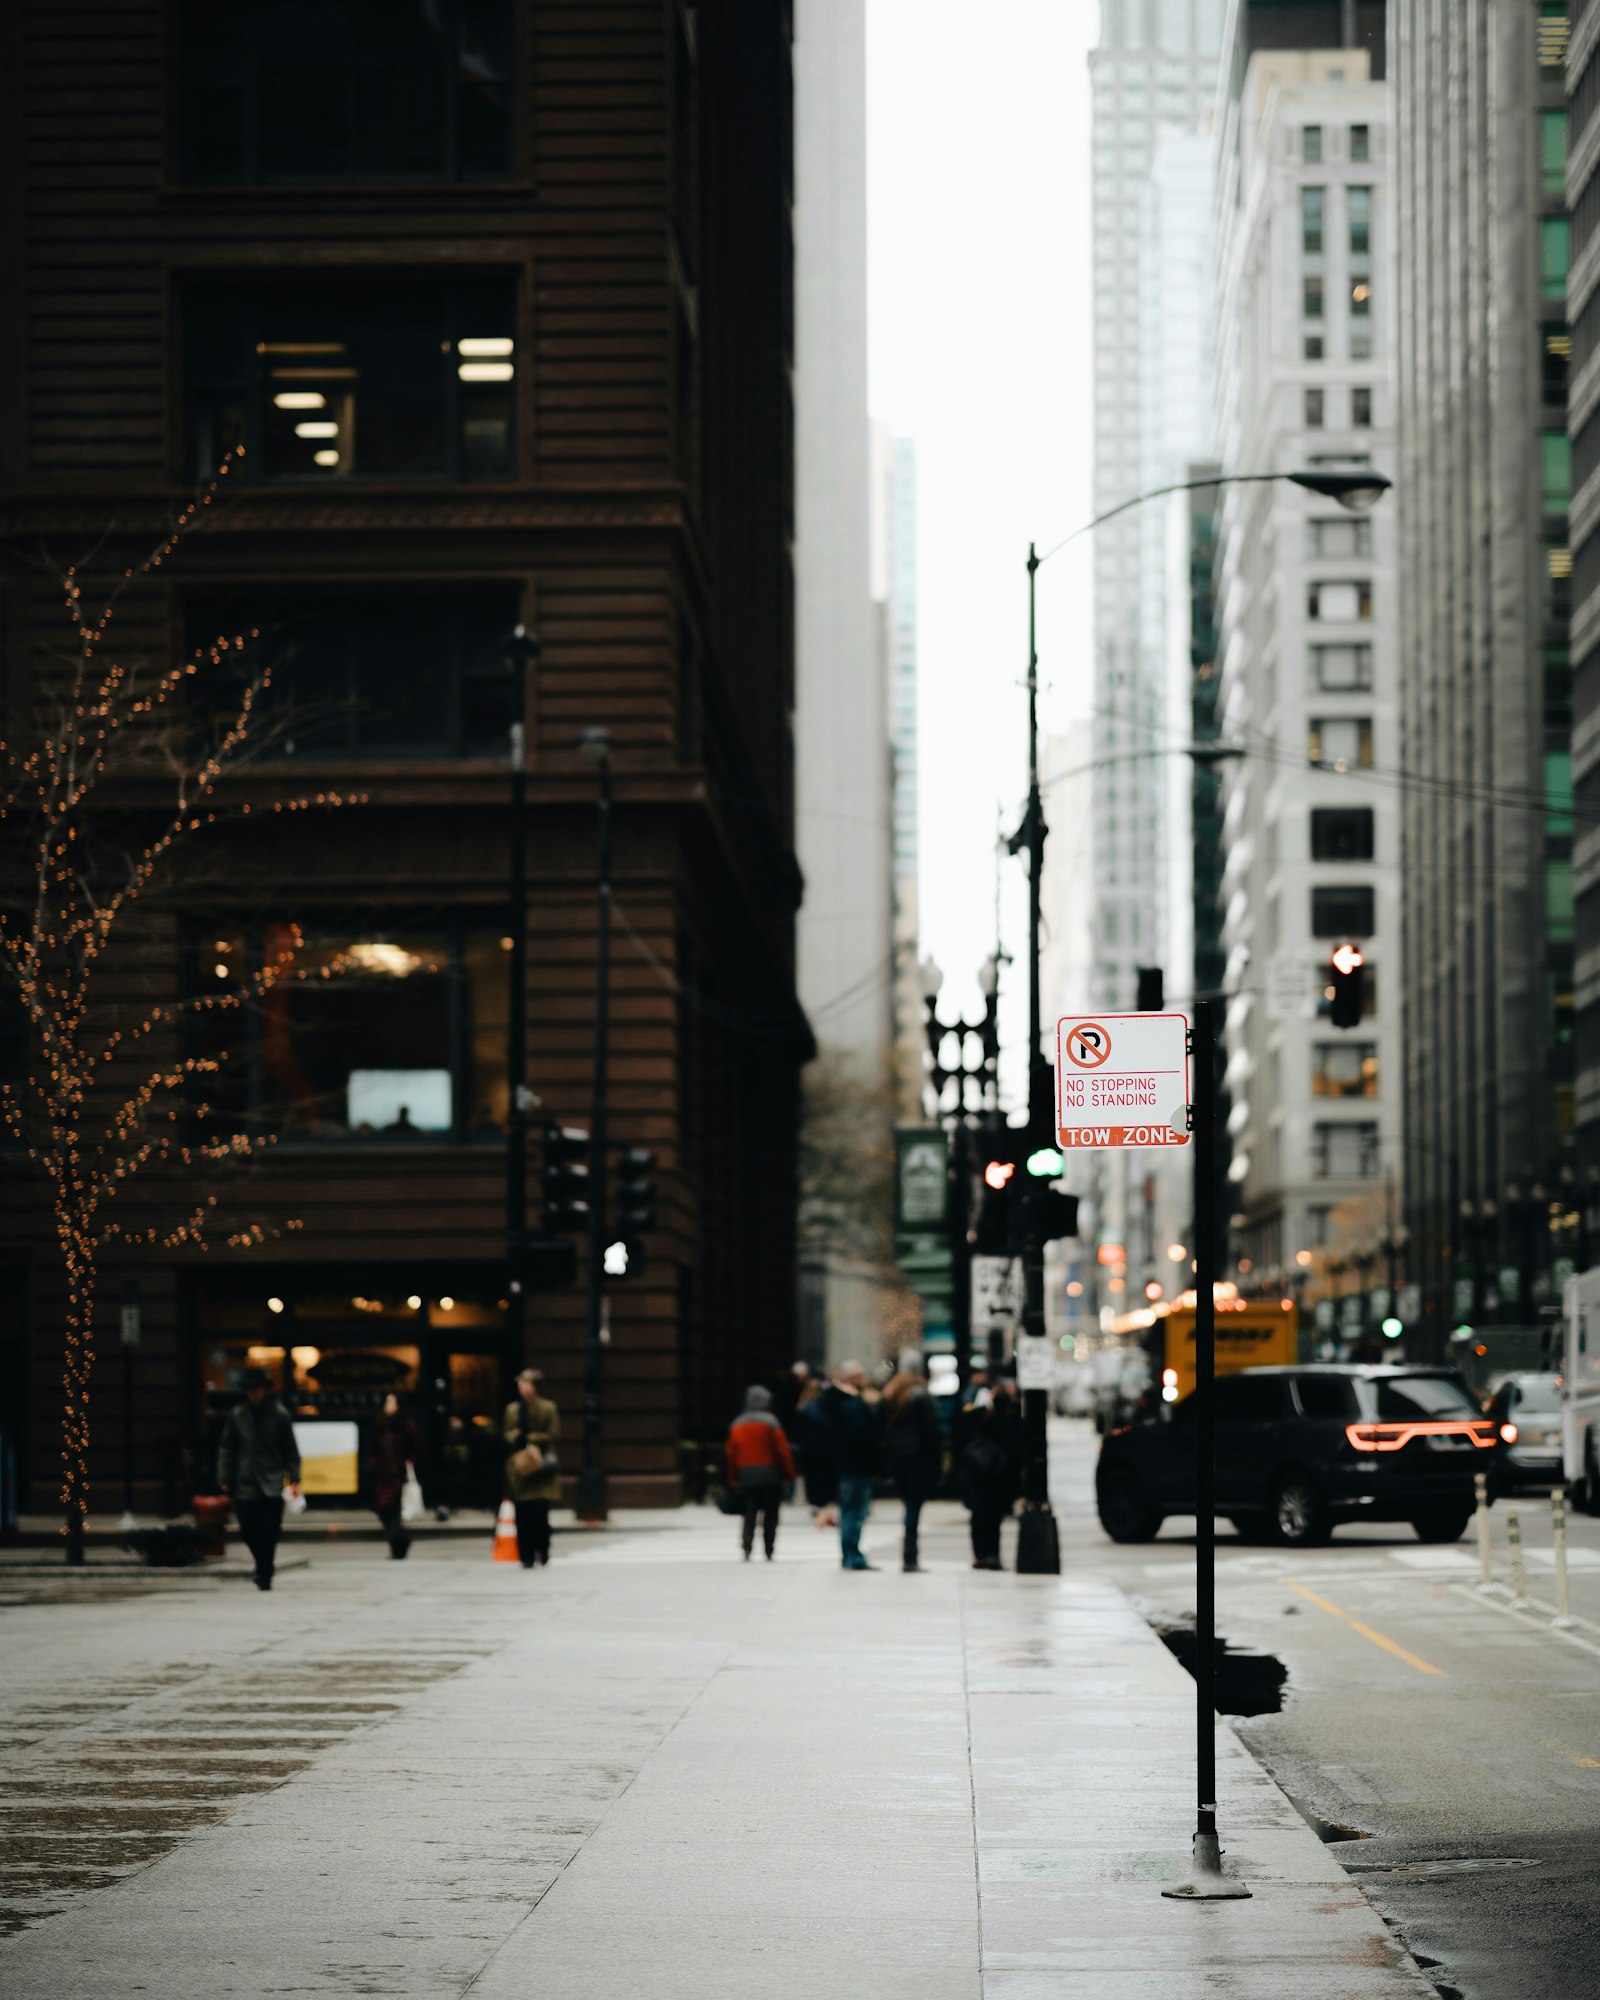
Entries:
{"x":1430,"y":1871}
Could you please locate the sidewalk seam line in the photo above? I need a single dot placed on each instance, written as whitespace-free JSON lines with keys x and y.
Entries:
{"x":972,"y":1778}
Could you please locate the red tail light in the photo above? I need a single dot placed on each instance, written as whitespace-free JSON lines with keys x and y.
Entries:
{"x":1395,"y":1437}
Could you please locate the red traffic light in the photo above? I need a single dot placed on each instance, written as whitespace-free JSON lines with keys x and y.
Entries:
{"x":1348,"y":958}
{"x":998,"y":1172}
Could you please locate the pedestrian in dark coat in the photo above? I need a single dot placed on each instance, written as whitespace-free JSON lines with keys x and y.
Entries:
{"x":393,"y":1450}
{"x":760,"y":1468}
{"x":853,"y":1426}
{"x":532,"y":1420}
{"x":990,"y":1468}
{"x":913,"y":1452}
{"x":813,"y":1443}
{"x":258,"y":1461}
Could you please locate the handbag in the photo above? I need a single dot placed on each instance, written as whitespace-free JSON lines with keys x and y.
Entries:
{"x":730,"y":1500}
{"x":411,"y":1503}
{"x":527,"y":1462}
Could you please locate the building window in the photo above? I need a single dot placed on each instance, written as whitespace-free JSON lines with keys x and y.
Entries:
{"x":1335,"y":603}
{"x":1314,"y":409}
{"x":1313,"y":347}
{"x":1311,"y":145}
{"x":1360,"y":142}
{"x":1361,"y":409}
{"x":1358,"y":210}
{"x":1557,"y":583}
{"x":1556,"y":364}
{"x":1342,"y":912}
{"x":398,"y":677}
{"x":1553,"y":151}
{"x":379,"y":1033}
{"x":343,"y":90}
{"x":1313,"y":201}
{"x":1341,"y":743}
{"x":1360,"y":340}
{"x":1341,"y":833}
{"x":1346,"y":536}
{"x":1361,"y":300}
{"x":1555,"y":238}
{"x":1311,"y":298}
{"x":1344,"y":1069}
{"x":1342,"y":669}
{"x":1344,"y":1152}
{"x":1551,"y":33}
{"x":1557,"y":468}
{"x":325,"y":382}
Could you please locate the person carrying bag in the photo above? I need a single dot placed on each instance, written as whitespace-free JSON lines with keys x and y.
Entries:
{"x":529,"y":1429}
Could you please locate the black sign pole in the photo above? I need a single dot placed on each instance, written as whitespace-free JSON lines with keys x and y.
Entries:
{"x":1207,"y":1883}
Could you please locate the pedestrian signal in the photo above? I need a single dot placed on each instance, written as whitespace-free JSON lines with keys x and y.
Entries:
{"x":565,"y":1180}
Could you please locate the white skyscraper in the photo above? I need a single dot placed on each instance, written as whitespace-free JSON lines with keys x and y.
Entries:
{"x":1307,"y":652}
{"x":894,"y":596}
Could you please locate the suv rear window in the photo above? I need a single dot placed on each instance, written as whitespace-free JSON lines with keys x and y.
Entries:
{"x":1327,"y":1396}
{"x":1431,"y":1396}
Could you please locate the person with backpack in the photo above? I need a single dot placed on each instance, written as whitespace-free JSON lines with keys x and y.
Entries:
{"x":990,"y":1469}
{"x":760,"y":1469}
{"x":913,"y":1452}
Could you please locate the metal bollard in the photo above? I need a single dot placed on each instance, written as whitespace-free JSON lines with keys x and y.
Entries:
{"x":1558,"y":1529}
{"x":1519,"y":1574}
{"x":1480,"y":1484}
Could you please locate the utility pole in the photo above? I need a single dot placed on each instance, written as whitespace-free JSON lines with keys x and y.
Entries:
{"x":1038,"y":1544}
{"x":520,"y":650}
{"x":592,"y":1495}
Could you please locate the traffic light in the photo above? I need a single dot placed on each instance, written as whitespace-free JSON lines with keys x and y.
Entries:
{"x":1046,"y":1164}
{"x":1152,"y":990}
{"x":998,"y":1200}
{"x":1347,"y":975}
{"x":635,"y":1213}
{"x":565,"y":1180}
{"x":1049,"y":1214}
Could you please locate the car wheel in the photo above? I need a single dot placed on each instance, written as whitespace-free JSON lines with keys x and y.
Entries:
{"x":1299,"y":1512}
{"x":1442,"y":1524}
{"x":1127,"y":1513}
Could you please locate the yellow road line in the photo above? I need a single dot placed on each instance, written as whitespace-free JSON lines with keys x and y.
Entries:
{"x":1367,"y":1632}
{"x":1572,"y":1757}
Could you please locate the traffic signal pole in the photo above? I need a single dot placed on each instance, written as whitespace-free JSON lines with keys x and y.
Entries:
{"x":1207,"y":1883}
{"x":591,"y":1498}
{"x":521,"y":649}
{"x":1038,"y":1543}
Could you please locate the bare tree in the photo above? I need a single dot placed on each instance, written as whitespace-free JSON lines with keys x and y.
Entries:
{"x":114,"y":769}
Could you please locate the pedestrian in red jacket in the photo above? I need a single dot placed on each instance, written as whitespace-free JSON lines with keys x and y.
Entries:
{"x":760,"y":1468}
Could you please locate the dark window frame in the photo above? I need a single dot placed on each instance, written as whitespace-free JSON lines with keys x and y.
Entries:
{"x":1326,"y":821}
{"x":1355,"y":916}
{"x":251,"y":173}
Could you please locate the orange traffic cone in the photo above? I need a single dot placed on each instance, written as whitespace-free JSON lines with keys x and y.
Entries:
{"x":505,"y":1534}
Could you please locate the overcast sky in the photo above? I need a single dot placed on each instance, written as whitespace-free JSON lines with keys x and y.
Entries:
{"x":980,"y":312}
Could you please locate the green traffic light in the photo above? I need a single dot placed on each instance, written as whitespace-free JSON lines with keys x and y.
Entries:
{"x":1047,"y":1164}
{"x":1392,"y":1329}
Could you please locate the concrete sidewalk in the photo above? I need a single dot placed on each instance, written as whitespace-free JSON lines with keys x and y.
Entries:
{"x":650,"y":1771}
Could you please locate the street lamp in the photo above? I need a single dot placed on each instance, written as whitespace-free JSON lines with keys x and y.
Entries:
{"x":976,"y":1098}
{"x":1357,"y":491}
{"x":594,"y":745}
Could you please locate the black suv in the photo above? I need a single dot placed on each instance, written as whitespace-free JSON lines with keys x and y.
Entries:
{"x":1300,"y":1449}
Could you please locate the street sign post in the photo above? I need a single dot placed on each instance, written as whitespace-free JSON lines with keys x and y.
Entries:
{"x":1035,"y":1363}
{"x":999,"y":1291}
{"x":1291,"y":989}
{"x":1122,"y":1080}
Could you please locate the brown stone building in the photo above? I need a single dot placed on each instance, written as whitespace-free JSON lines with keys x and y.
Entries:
{"x":496,"y":296}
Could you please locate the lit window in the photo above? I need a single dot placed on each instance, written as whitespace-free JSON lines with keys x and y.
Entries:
{"x":1344,"y":1069}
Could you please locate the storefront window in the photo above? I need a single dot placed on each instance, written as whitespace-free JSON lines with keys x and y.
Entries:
{"x":370,"y":1034}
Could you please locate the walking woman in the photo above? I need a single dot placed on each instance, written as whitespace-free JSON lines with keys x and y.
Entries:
{"x":912,"y":1452}
{"x":529,"y":1430}
{"x":760,"y":1467}
{"x":393,"y":1450}
{"x":991,"y":1468}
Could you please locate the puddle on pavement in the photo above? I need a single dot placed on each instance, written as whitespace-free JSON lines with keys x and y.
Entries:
{"x":122,"y":1784}
{"x":1246,"y":1683}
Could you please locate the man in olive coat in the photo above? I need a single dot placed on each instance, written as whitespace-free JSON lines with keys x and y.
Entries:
{"x":532,"y":1419}
{"x":257,"y":1462}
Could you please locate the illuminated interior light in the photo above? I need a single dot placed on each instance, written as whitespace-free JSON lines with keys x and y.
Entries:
{"x":325,"y":457}
{"x":300,"y":399}
{"x":484,"y":348}
{"x":274,"y":1305}
{"x":317,"y":428}
{"x":447,"y":1304}
{"x":415,"y":1302}
{"x":486,"y":371}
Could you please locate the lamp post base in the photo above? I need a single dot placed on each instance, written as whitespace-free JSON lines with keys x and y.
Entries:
{"x":1208,"y":1884}
{"x":1038,"y":1544}
{"x":590,"y":1501}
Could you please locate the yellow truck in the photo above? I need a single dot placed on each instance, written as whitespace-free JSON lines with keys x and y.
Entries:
{"x":1251,"y":1333}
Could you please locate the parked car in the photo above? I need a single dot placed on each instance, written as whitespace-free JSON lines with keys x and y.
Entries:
{"x":1526,"y":1411}
{"x":1301,"y":1449}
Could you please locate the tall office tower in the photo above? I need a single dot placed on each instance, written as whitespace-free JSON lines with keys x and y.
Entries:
{"x":894,"y":600}
{"x":1306,"y":645}
{"x":841,"y":719}
{"x":1153,"y":82}
{"x":1582,"y":149}
{"x":1483,"y":483}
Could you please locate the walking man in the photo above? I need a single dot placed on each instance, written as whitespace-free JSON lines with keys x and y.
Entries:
{"x":853,"y":1426}
{"x":760,"y":1467}
{"x":257,"y":1462}
{"x":533,"y":1480}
